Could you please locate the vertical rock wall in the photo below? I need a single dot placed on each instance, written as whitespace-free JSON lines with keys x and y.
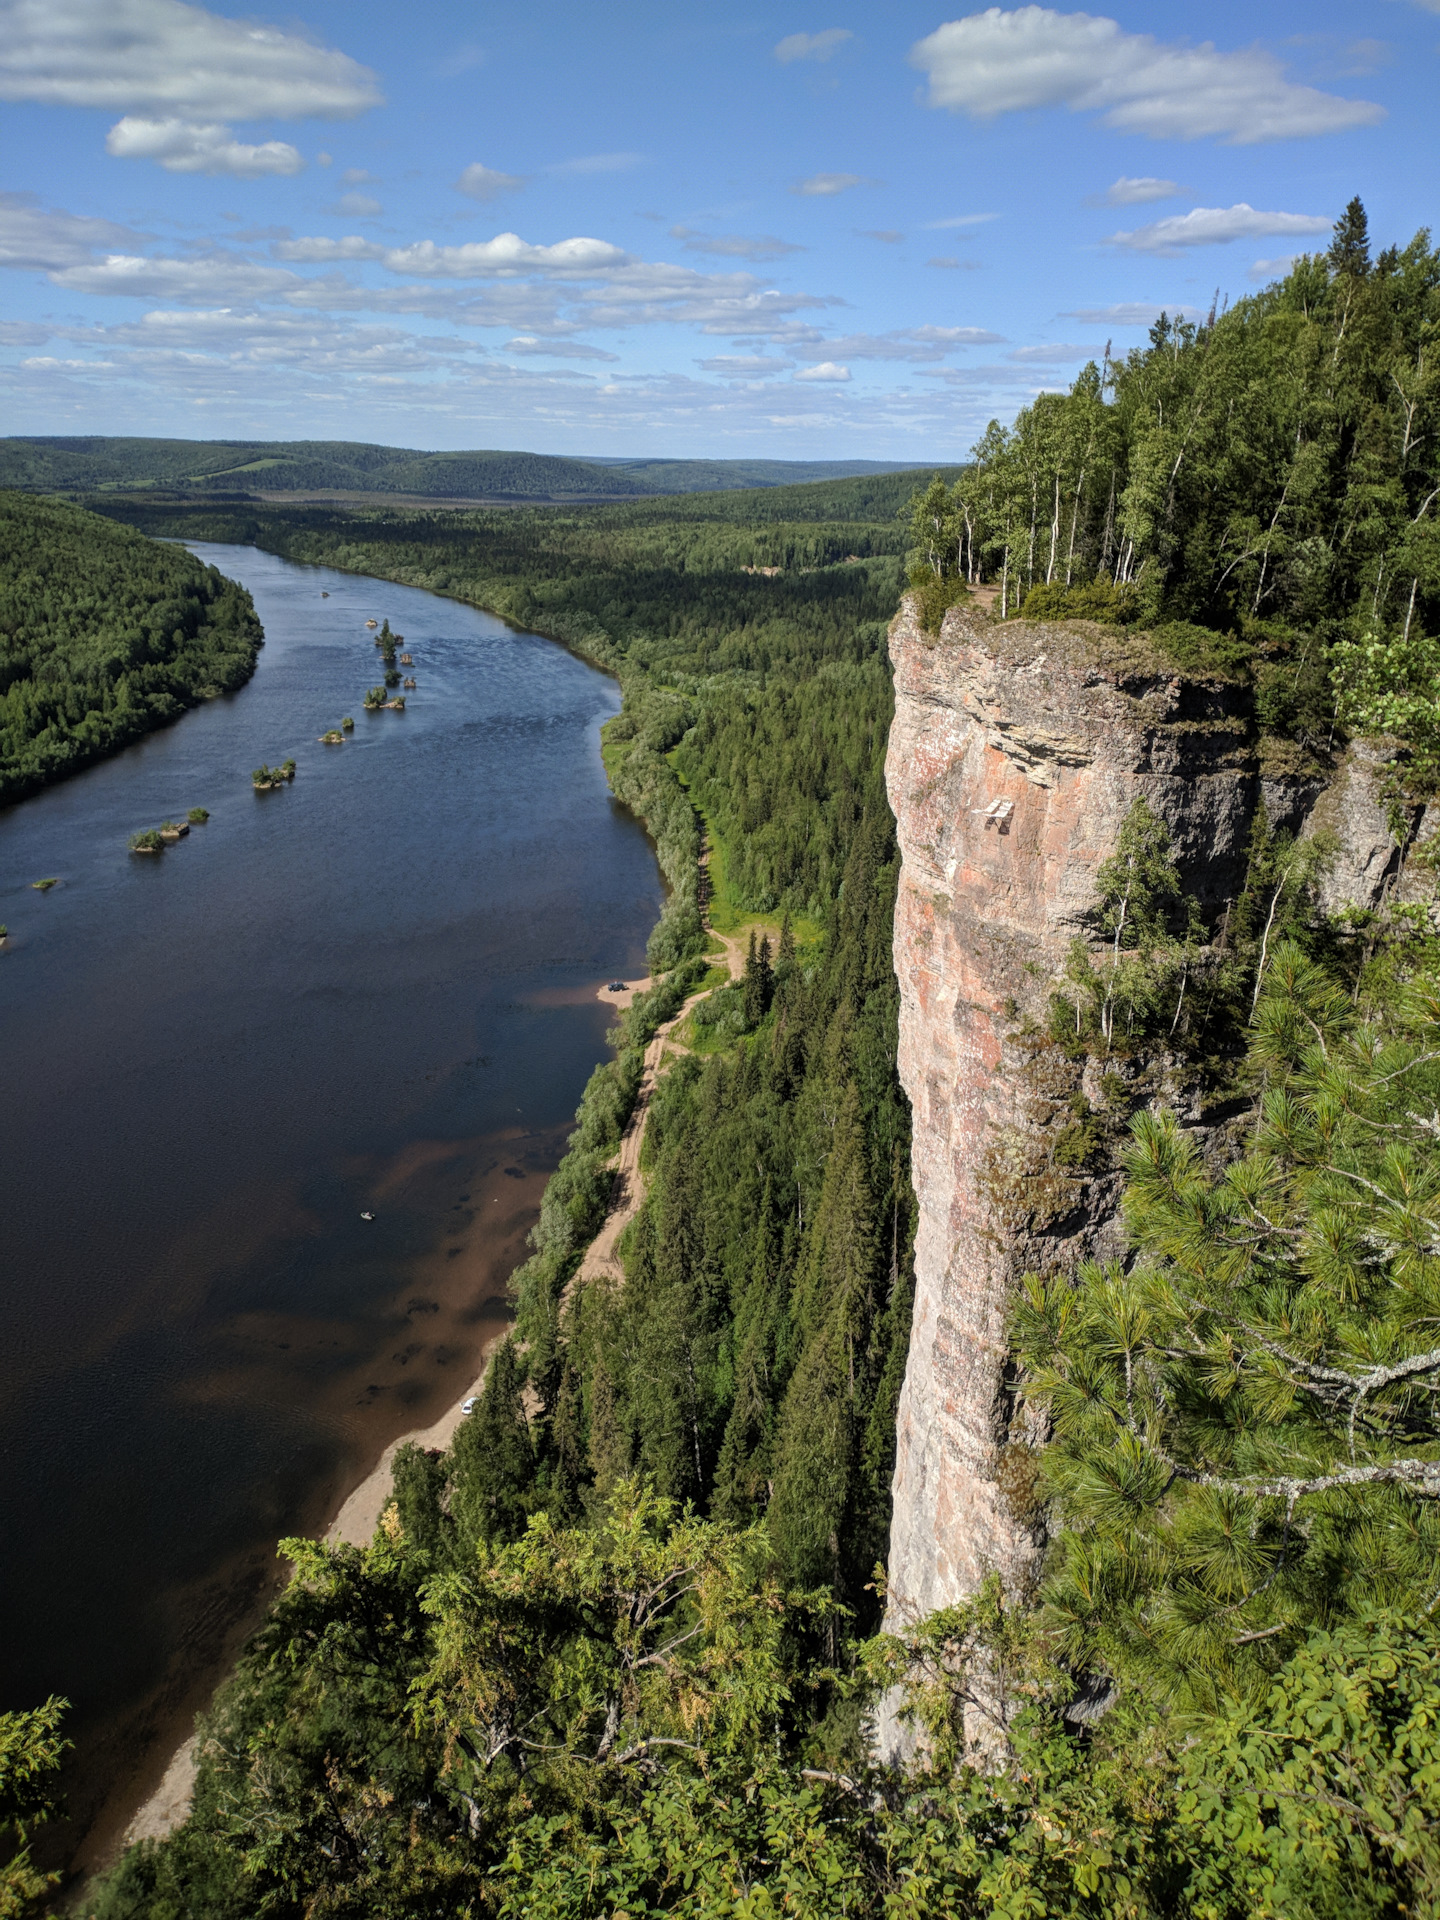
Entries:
{"x":1015,"y":754}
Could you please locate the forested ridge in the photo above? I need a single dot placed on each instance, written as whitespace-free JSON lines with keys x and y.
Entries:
{"x":104,"y":634}
{"x":613,"y":1653}
{"x":55,"y":464}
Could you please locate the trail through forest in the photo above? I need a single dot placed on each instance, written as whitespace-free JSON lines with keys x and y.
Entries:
{"x":628,"y":1192}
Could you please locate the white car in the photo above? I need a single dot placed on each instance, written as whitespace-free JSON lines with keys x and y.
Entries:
{"x":469,"y":1406}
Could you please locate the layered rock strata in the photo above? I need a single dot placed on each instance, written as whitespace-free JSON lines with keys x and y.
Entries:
{"x":1016,"y":752}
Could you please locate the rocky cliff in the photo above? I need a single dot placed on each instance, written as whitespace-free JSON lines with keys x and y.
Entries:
{"x":1015,"y":754}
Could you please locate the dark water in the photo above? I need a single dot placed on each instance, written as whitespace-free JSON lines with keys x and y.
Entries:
{"x":371,"y":989}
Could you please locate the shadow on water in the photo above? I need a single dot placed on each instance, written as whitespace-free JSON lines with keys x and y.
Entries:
{"x":368,"y":991}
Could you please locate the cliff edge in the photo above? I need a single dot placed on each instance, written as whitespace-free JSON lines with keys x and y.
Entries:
{"x":1015,"y":754}
{"x":1016,"y":751}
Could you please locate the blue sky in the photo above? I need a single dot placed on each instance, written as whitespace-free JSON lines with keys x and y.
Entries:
{"x":805,"y":232}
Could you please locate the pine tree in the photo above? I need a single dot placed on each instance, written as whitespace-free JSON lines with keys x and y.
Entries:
{"x":1350,"y":249}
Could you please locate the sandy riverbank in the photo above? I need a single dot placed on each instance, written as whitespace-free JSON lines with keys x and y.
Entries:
{"x":353,"y":1524}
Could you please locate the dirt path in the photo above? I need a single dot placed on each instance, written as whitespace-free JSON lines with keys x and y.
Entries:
{"x":628,"y":1192}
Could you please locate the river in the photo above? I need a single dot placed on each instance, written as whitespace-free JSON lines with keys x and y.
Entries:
{"x":372,"y":991}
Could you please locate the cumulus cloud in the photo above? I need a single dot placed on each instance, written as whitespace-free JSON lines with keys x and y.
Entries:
{"x":888,"y":235}
{"x":485,"y":183}
{"x":161,"y":57}
{"x":177,"y":75}
{"x":1272,"y":269}
{"x":183,"y":147}
{"x":734,"y":246}
{"x":812,"y":46}
{"x":960,"y":220}
{"x":359,"y":206}
{"x":827,"y":370}
{"x":950,"y":260}
{"x":828,"y":183}
{"x":1134,"y":193}
{"x":507,"y":254}
{"x":1006,"y":62}
{"x":1213,"y":226}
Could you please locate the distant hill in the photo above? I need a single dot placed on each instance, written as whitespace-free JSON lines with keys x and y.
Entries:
{"x":100,"y":464}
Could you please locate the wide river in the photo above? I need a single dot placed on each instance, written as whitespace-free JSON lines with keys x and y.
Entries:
{"x":372,"y":991}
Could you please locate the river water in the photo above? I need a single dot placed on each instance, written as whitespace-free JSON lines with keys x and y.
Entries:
{"x":370,"y":991}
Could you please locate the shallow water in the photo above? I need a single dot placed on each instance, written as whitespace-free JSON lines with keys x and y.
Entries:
{"x":370,"y":990}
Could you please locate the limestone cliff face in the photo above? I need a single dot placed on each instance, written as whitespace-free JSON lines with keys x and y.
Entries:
{"x":1015,"y":754}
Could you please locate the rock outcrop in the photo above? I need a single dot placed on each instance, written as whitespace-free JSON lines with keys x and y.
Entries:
{"x":1015,"y":754}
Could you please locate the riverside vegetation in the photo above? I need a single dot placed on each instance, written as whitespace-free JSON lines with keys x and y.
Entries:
{"x":611,"y":1654}
{"x":104,"y":635}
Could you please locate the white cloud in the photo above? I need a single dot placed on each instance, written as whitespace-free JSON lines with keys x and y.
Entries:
{"x":506,"y":254}
{"x":827,"y":370}
{"x":177,"y":74}
{"x":1005,"y":62}
{"x":215,"y":277}
{"x":318,"y":250}
{"x":959,"y":220}
{"x":1213,"y":226}
{"x":1128,"y":313}
{"x":1056,"y":354}
{"x":1135,"y":193}
{"x":958,"y":336}
{"x":160,"y":57}
{"x":484,"y":183}
{"x":828,"y":183}
{"x":1272,"y":269}
{"x":183,"y":147}
{"x":734,"y":246}
{"x":950,"y":260}
{"x":45,"y":238}
{"x":598,"y":163}
{"x":557,"y":349}
{"x":357,"y":177}
{"x":888,"y":235}
{"x":812,"y":46}
{"x":914,"y":344}
{"x":744,"y":366}
{"x":359,"y":206}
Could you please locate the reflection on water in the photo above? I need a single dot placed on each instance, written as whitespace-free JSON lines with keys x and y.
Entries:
{"x":370,"y":991}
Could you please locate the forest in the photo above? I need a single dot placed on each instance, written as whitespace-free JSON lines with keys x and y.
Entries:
{"x":614,"y":1653}
{"x":104,"y":634}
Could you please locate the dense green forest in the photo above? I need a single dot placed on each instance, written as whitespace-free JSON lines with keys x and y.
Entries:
{"x":81,"y":464}
{"x":613,"y":1654}
{"x":104,"y":634}
{"x":1264,"y":486}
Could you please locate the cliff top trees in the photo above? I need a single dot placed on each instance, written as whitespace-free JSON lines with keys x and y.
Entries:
{"x":1273,"y":471}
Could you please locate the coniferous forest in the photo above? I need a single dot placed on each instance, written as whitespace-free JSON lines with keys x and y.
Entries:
{"x":104,"y":634}
{"x":615,"y":1652}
